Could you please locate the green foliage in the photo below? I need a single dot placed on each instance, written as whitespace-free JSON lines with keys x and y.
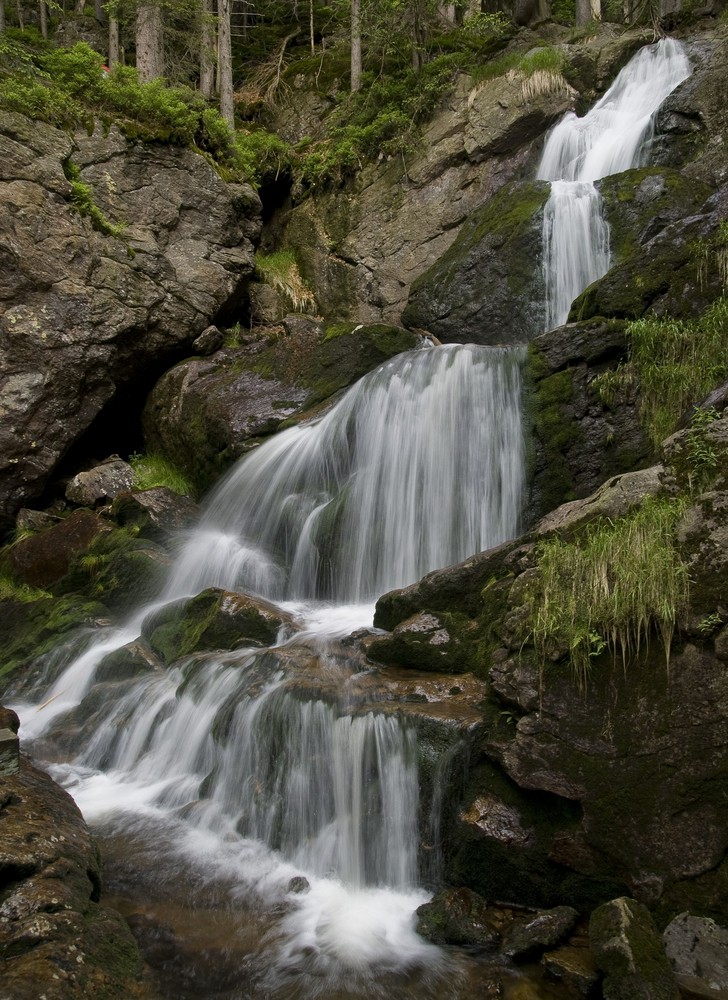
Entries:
{"x":11,"y":590}
{"x":610,"y":588}
{"x":713,"y":253}
{"x":702,"y":456}
{"x":262,"y":156}
{"x":155,"y":470}
{"x":676,"y":364}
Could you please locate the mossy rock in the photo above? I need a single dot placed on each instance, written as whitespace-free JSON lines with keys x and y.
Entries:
{"x":487,"y":288}
{"x":215,"y":619}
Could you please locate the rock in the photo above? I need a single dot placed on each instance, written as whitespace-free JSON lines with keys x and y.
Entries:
{"x":45,"y":558}
{"x":205,"y":414}
{"x":423,"y":642}
{"x":457,"y":916}
{"x":9,"y":719}
{"x":299,"y":884}
{"x":209,"y":341}
{"x":215,"y":619}
{"x":574,"y":967}
{"x":85,"y":315}
{"x":34,"y":520}
{"x":9,"y":751}
{"x":698,"y":947}
{"x":628,"y":950}
{"x":157,"y":513}
{"x":703,"y":541}
{"x":534,"y":934}
{"x":103,"y":482}
{"x":56,"y":939}
{"x":131,"y":660}
{"x":488,"y":288}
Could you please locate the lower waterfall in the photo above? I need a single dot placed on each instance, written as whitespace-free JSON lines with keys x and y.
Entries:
{"x":259,"y":766}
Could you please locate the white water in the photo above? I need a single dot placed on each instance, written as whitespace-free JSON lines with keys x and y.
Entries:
{"x":614,"y":136}
{"x":418,"y":466}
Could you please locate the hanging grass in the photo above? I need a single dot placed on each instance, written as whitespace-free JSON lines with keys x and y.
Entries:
{"x":155,"y":470}
{"x":280,"y":270}
{"x":676,"y":364}
{"x":611,"y":588}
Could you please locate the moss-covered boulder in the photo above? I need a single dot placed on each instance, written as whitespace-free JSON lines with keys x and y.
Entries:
{"x":157,"y":513}
{"x":205,"y":413}
{"x":424,"y":642}
{"x":628,"y":950}
{"x":488,"y":287}
{"x":458,"y":916}
{"x":44,"y":558}
{"x":215,"y":619}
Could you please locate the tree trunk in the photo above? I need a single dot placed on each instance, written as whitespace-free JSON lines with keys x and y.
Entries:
{"x":207,"y":50}
{"x":113,"y":42}
{"x":21,"y":19}
{"x":474,"y":7}
{"x":149,"y":41}
{"x":225,"y":62}
{"x":310,"y":26}
{"x":355,"y":45}
{"x":583,"y":11}
{"x":2,"y":17}
{"x":43,"y":19}
{"x":596,"y":10}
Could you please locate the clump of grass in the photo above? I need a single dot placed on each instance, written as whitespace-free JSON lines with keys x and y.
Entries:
{"x":11,"y":590}
{"x":611,"y":588}
{"x":676,"y":364}
{"x":156,"y":470}
{"x":280,"y":270}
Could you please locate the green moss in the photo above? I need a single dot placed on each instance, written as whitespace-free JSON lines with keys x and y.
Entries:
{"x":152,"y":470}
{"x":82,"y":199}
{"x":554,"y":426}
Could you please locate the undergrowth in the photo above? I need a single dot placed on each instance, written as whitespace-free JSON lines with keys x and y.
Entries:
{"x":610,"y":588}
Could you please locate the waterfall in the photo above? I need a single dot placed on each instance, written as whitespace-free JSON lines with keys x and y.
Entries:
{"x":614,"y":136}
{"x":266,"y":754}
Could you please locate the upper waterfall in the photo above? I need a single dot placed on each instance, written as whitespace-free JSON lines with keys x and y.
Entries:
{"x":614,"y":136}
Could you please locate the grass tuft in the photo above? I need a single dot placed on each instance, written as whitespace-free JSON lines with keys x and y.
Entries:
{"x":155,"y":470}
{"x":280,"y":270}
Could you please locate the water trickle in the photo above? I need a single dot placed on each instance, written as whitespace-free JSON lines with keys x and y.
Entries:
{"x":615,"y":135}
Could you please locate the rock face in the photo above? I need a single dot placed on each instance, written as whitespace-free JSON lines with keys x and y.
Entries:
{"x":628,"y":949}
{"x":84,"y":313}
{"x":56,"y":939}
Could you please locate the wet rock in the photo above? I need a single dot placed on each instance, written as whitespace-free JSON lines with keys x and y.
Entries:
{"x":103,"y":482}
{"x":457,"y":916}
{"x":499,"y":821}
{"x":132,"y":660}
{"x":487,"y":288}
{"x":46,"y":557}
{"x":423,"y":642}
{"x":157,"y":513}
{"x":534,"y":934}
{"x":698,"y":947}
{"x":299,"y":884}
{"x":9,"y":749}
{"x":9,"y":719}
{"x":574,"y":967}
{"x":215,"y":619}
{"x":56,"y":939}
{"x":628,"y":950}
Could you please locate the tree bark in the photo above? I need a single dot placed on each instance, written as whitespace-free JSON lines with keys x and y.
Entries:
{"x":355,"y":45}
{"x":225,"y":62}
{"x":207,"y":50}
{"x":43,"y":19}
{"x":149,"y":41}
{"x":474,"y":7}
{"x":583,"y":11}
{"x":113,"y":42}
{"x":310,"y":26}
{"x":2,"y":17}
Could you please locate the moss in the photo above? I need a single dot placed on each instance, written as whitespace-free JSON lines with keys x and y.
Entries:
{"x":554,"y":426}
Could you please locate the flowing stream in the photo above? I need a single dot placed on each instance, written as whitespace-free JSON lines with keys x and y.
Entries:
{"x":615,"y":135}
{"x":279,"y":787}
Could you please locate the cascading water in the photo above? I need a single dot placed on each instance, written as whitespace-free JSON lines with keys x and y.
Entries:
{"x":259,"y":765}
{"x":614,"y":136}
{"x":418,"y":466}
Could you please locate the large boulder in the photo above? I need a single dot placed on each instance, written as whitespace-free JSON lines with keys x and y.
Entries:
{"x":85,"y":314}
{"x":56,"y":939}
{"x":205,"y":413}
{"x":629,"y":951}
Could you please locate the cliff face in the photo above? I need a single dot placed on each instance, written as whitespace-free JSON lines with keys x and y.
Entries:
{"x":86,"y":315}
